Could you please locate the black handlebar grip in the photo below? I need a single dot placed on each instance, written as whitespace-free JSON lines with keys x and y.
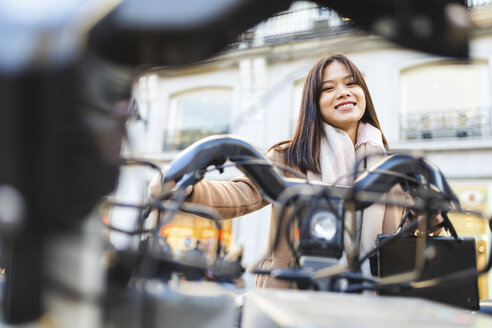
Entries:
{"x":405,"y":170}
{"x":215,"y":150}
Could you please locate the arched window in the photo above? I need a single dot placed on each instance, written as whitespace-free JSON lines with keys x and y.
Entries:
{"x":445,"y":101}
{"x":197,"y":114}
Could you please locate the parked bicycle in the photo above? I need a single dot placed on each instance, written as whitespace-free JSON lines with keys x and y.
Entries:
{"x":407,"y":263}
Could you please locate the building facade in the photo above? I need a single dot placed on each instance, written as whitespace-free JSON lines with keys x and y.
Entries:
{"x":432,"y":106}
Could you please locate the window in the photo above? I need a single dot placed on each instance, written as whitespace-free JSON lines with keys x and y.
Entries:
{"x":196,"y":114}
{"x":445,"y":101}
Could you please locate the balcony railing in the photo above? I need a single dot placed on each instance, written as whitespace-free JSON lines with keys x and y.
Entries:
{"x":450,"y":124}
{"x":295,"y":25}
{"x":480,"y":13}
{"x":478,"y":3}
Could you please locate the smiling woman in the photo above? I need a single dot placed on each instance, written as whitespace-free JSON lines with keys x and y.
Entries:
{"x":333,"y":81}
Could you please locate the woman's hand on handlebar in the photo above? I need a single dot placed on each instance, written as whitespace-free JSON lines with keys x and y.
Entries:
{"x":157,"y":189}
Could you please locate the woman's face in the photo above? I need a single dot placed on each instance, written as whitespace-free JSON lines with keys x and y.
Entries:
{"x":342,"y":102}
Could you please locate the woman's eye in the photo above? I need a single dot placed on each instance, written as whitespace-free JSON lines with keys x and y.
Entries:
{"x":327,"y":89}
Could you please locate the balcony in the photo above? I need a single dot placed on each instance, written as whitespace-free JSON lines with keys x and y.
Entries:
{"x":295,"y":25}
{"x":451,"y":124}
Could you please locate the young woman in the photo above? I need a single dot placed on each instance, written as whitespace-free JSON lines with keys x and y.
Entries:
{"x":337,"y":126}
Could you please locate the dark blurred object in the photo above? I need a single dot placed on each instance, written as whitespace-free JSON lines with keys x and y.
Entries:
{"x":439,"y":27}
{"x":62,"y":117}
{"x":60,"y":140}
{"x":153,"y":32}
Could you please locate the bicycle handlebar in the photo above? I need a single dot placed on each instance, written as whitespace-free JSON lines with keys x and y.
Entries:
{"x":216,"y":150}
{"x":408,"y":171}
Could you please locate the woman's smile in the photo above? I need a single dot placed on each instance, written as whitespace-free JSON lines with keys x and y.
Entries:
{"x":346,"y":106}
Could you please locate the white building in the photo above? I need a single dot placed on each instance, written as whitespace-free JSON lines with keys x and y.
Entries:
{"x":436,"y":106}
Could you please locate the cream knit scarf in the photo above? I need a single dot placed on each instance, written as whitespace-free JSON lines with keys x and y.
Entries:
{"x":338,"y":158}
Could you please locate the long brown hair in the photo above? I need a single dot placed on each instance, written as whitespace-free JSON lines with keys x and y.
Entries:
{"x":304,"y":148}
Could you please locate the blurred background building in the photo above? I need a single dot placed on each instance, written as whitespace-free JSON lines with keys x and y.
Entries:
{"x":433,"y":106}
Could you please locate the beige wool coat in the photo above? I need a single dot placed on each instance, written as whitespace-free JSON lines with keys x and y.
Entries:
{"x":240,"y":196}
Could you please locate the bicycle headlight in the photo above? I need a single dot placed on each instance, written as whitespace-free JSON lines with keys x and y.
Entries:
{"x":321,"y":230}
{"x":323,"y":225}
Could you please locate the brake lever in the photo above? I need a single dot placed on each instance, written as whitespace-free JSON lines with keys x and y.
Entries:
{"x":190,"y":179}
{"x":407,"y":171}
